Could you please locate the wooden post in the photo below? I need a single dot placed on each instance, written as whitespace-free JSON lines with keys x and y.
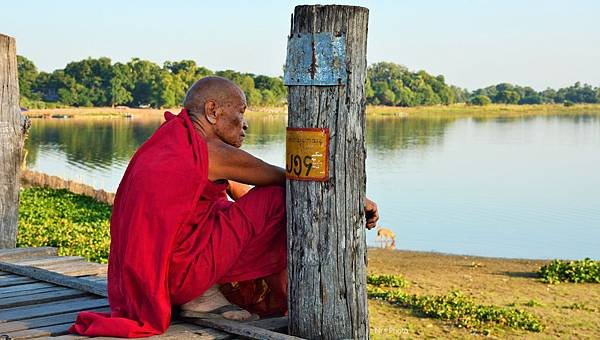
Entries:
{"x":325,"y":163}
{"x":13,"y":127}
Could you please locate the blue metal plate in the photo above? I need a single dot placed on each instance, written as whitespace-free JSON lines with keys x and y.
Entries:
{"x":317,"y":59}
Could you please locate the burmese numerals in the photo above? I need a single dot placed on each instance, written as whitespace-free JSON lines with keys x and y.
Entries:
{"x":298,"y":164}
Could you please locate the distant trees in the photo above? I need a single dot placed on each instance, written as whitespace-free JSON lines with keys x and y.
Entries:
{"x":393,"y":84}
{"x":98,"y":82}
{"x":513,"y":94}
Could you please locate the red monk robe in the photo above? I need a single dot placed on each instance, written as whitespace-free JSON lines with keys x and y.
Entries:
{"x":174,"y":234}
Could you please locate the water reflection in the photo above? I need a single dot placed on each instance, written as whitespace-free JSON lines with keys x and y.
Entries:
{"x":390,"y":133}
{"x":93,"y":151}
{"x":93,"y":144}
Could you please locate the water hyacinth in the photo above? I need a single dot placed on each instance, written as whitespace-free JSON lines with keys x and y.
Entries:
{"x":459,"y":309}
{"x":75,"y":224}
{"x":582,"y":271}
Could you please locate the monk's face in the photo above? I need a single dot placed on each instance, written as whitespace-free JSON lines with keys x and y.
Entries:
{"x":231,"y":125}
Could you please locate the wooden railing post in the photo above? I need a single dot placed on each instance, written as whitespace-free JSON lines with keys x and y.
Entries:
{"x":13,"y":127}
{"x":325,"y":164}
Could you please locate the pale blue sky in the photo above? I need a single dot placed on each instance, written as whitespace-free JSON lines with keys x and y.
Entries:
{"x":472,"y":43}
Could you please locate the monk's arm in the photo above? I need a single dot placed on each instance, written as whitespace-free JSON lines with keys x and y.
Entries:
{"x":228,"y":162}
{"x":235,"y":165}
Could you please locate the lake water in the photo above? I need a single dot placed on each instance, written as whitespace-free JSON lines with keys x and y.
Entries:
{"x":524,"y":187}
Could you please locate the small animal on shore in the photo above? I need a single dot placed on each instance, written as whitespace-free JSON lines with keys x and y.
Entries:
{"x":385,"y":236}
{"x":391,"y":245}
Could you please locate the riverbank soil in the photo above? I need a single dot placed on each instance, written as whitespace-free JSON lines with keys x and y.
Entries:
{"x":566,"y":310}
{"x":455,"y":110}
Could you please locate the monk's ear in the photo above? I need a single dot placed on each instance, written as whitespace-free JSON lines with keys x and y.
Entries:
{"x":210,"y":111}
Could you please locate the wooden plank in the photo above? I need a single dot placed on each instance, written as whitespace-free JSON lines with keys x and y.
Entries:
{"x":48,"y":261}
{"x":29,"y":292}
{"x":59,"y":266}
{"x":78,"y":268}
{"x":98,"y":288}
{"x":15,"y":281}
{"x":51,"y":308}
{"x":39,"y":332}
{"x":38,"y":298}
{"x":94,"y":278}
{"x":25,"y":287}
{"x":26,"y":253}
{"x":191,"y":331}
{"x":242,"y":329}
{"x":279,"y":324}
{"x":14,"y":326}
{"x":185,"y":331}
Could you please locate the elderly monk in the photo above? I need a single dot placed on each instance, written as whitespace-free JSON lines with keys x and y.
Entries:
{"x":175,"y":237}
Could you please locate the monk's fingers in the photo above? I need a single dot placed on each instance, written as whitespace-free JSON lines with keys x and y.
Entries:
{"x":371,"y":213}
{"x":371,"y":223}
{"x":370,"y":205}
{"x":373,"y":216}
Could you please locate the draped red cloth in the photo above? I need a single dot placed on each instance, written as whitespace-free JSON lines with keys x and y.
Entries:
{"x":174,"y":234}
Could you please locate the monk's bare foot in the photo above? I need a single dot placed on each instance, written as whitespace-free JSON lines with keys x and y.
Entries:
{"x":213,"y":299}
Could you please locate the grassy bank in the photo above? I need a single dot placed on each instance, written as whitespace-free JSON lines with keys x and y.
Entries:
{"x":109,"y":112}
{"x":433,"y":295}
{"x":491,"y":111}
{"x":456,"y":110}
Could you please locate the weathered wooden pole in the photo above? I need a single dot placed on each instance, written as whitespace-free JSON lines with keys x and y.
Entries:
{"x":13,"y":127}
{"x":325,"y":164}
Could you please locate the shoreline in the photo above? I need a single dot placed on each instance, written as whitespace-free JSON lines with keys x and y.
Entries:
{"x":439,"y":111}
{"x":34,"y":178}
{"x":481,"y":257}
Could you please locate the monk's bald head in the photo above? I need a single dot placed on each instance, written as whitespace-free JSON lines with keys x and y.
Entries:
{"x":216,"y":107}
{"x":217,"y":89}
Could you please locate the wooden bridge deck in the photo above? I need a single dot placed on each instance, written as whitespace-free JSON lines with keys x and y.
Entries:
{"x":41,"y":294}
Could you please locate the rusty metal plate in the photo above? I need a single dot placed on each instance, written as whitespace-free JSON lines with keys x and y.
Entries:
{"x":307,"y":154}
{"x":317,"y":59}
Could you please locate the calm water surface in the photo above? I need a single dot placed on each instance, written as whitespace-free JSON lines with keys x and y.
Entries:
{"x":526,"y":187}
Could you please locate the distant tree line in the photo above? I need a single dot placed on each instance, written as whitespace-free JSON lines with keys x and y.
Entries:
{"x":99,"y":82}
{"x":513,"y":94}
{"x":393,"y":84}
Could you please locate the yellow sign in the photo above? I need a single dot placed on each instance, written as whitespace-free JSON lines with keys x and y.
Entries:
{"x":307,"y":152}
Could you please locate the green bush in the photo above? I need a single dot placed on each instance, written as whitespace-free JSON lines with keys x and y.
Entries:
{"x":480,"y":100}
{"x":585,"y":270}
{"x":459,"y":309}
{"x":396,"y":281}
{"x":76,"y":224}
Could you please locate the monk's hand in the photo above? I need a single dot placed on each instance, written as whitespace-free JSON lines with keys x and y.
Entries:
{"x":371,"y":213}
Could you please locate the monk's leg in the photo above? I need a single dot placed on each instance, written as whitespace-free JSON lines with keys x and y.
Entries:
{"x":248,"y":242}
{"x":264,"y":250}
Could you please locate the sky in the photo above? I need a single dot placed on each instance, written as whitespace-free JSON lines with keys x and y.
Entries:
{"x":473,"y":43}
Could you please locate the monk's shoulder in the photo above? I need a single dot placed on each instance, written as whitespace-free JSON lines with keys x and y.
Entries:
{"x":219,"y":151}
